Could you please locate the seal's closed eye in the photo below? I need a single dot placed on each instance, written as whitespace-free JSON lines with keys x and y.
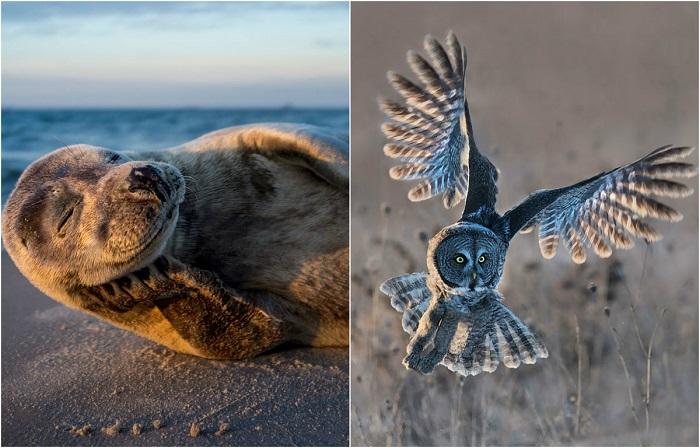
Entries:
{"x":63,"y":206}
{"x":64,"y":219}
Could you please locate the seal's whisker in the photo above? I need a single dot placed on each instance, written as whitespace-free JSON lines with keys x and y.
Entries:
{"x":191,"y":186}
{"x":190,"y":180}
{"x":63,"y":144}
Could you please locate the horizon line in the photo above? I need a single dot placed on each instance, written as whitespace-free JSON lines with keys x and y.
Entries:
{"x":184,"y":107}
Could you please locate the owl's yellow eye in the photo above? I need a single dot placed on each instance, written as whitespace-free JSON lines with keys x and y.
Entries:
{"x":482,"y":259}
{"x":459,"y":259}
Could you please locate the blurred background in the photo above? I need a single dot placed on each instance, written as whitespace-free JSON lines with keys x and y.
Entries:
{"x":149,"y":75}
{"x":558,"y":92}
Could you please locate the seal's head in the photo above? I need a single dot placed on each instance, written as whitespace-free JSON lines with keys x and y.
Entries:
{"x":84,"y":215}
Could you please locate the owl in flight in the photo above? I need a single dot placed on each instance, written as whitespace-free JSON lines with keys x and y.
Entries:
{"x":453,"y":313}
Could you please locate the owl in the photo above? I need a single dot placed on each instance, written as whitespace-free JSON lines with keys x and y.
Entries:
{"x":453,"y":312}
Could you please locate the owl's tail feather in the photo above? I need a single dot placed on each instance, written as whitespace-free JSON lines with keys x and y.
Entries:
{"x":481,"y":332}
{"x":490,"y":334}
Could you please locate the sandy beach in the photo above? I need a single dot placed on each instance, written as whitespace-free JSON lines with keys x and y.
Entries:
{"x":63,"y":370}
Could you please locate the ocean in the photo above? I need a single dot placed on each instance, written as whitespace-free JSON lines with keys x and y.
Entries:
{"x":28,"y":134}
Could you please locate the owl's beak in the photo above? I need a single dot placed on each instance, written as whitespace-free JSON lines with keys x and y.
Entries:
{"x":472,"y":283}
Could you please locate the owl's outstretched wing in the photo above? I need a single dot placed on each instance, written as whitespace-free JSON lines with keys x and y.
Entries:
{"x":433,"y":131}
{"x":409,"y":295}
{"x":606,"y":210}
{"x":486,"y":335}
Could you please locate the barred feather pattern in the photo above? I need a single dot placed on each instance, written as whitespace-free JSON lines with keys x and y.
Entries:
{"x":487,"y":334}
{"x":477,"y":332}
{"x":607,"y":212}
{"x":430,"y":131}
{"x":409,"y":295}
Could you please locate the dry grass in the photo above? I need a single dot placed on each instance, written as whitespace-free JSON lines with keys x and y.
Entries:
{"x":622,"y":335}
{"x":558,"y":92}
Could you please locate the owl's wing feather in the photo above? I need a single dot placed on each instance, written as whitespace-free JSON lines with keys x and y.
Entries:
{"x":433,"y":131}
{"x":409,"y":295}
{"x":487,"y":334}
{"x":605,"y":211}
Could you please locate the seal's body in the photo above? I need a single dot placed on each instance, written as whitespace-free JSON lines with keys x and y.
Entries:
{"x":224,"y":247}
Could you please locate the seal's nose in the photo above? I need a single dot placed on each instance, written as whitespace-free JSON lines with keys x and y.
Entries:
{"x":148,"y":178}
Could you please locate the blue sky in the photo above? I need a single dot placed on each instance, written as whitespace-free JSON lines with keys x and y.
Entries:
{"x":179,"y":54}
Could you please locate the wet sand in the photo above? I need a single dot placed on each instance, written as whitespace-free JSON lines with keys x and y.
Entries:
{"x":62,"y":369}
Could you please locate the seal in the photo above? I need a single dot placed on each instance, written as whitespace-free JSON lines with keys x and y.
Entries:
{"x":224,"y":247}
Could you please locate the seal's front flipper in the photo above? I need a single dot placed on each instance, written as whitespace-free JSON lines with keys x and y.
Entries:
{"x":120,"y":295}
{"x":215,"y":321}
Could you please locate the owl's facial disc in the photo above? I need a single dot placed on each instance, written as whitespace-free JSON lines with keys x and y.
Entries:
{"x":471,"y":257}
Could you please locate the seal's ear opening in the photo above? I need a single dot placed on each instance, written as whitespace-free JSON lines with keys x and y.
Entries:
{"x":323,"y":151}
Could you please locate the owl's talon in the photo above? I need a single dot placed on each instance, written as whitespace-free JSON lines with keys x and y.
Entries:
{"x":427,"y":365}
{"x":412,"y":361}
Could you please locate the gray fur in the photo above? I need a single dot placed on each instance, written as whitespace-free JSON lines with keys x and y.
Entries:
{"x":231,"y":244}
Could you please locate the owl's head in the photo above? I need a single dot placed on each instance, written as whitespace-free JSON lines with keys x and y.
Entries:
{"x":467,"y":255}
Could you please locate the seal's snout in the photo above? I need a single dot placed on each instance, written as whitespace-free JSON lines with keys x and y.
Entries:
{"x":148,"y":178}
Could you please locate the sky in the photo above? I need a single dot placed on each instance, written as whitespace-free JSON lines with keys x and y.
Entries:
{"x":174,"y":54}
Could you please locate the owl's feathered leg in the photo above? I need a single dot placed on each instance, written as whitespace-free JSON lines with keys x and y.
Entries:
{"x":441,"y":344}
{"x":427,"y":327}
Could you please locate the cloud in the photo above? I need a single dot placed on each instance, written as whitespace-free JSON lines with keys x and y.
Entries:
{"x":37,"y":17}
{"x":223,"y":44}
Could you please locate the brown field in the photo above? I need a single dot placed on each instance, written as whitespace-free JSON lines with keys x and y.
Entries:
{"x":558,"y":92}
